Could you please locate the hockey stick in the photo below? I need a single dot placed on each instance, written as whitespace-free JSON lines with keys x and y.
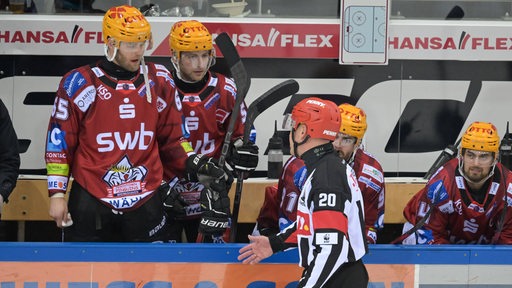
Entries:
{"x":505,"y":150}
{"x":422,"y":221}
{"x":501,"y":221}
{"x":242,"y":82}
{"x":415,"y":227}
{"x":448,"y":153}
{"x":262,"y":103}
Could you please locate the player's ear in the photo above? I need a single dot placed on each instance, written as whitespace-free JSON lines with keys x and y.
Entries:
{"x":301,"y":132}
{"x":111,"y":42}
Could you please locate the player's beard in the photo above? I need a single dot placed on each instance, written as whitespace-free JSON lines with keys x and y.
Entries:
{"x":344,"y":156}
{"x":129,"y":62}
{"x":475,"y":173}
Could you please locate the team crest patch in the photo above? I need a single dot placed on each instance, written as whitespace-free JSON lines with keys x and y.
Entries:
{"x":125,"y":179}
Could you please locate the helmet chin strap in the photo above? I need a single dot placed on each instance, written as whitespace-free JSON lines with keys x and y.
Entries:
{"x":177,"y":68}
{"x":105,"y":49}
{"x":359,"y":145}
{"x":352,"y":156}
{"x":297,"y":144}
{"x":461,"y":171}
{"x":146,"y":79}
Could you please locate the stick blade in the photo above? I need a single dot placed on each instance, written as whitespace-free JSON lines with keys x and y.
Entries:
{"x":269,"y":98}
{"x":236,"y":66}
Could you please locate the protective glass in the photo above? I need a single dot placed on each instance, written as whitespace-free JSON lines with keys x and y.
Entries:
{"x":195,"y":58}
{"x":288,"y":122}
{"x":344,"y":140}
{"x":134,"y":46}
{"x":478,"y":157}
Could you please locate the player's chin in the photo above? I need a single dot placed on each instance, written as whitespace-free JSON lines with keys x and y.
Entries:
{"x":340,"y":154}
{"x":198,"y":75}
{"x":476,"y":171}
{"x":476,"y":176}
{"x":133,"y":66}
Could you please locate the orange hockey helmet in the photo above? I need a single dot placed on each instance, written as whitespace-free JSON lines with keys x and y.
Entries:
{"x":125,"y":23}
{"x":190,"y":35}
{"x":353,"y":121}
{"x":481,"y":136}
{"x":322,"y":117}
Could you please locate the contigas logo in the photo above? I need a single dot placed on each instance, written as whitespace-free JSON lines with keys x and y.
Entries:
{"x":464,"y":42}
{"x":77,"y":35}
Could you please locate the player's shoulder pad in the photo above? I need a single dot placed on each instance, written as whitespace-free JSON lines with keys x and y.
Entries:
{"x":78,"y":87}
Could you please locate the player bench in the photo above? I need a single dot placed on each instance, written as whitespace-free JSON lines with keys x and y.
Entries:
{"x":30,"y":202}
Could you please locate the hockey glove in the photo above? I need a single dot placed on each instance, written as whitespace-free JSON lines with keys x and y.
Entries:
{"x":215,"y":216}
{"x":244,"y":157}
{"x":193,"y":164}
{"x":201,"y":168}
{"x":174,"y":204}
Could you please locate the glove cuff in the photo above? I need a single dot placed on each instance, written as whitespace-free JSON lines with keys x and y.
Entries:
{"x":213,"y":222}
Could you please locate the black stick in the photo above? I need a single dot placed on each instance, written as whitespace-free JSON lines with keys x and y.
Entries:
{"x":262,"y":103}
{"x":448,"y":153}
{"x":419,"y":224}
{"x":242,"y":81}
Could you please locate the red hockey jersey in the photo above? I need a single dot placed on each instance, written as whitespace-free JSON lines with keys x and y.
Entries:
{"x":207,"y":114}
{"x":456,"y":217}
{"x":279,"y":209}
{"x":106,"y":134}
{"x":370,"y":178}
{"x":207,"y":119}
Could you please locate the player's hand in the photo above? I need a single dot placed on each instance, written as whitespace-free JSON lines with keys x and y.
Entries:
{"x":59,"y":212}
{"x":244,"y":157}
{"x":258,"y":250}
{"x":204,"y":169}
{"x":172,"y":200}
{"x":215,"y":217}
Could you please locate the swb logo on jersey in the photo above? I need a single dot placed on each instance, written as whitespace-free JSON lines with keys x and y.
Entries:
{"x":140,"y":140}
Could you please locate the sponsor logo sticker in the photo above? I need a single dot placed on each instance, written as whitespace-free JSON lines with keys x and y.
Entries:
{"x":373,"y":172}
{"x":57,"y":183}
{"x":326,"y":238}
{"x":73,"y":83}
{"x":56,"y":139}
{"x":85,"y":98}
{"x":57,"y":169}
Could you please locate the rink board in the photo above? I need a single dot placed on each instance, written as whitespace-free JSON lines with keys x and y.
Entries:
{"x":121,"y":265}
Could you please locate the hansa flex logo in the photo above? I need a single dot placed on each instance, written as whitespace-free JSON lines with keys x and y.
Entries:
{"x":464,"y":41}
{"x":34,"y":36}
{"x":275,"y":38}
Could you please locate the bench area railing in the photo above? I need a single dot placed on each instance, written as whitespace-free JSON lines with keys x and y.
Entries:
{"x":158,"y":265}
